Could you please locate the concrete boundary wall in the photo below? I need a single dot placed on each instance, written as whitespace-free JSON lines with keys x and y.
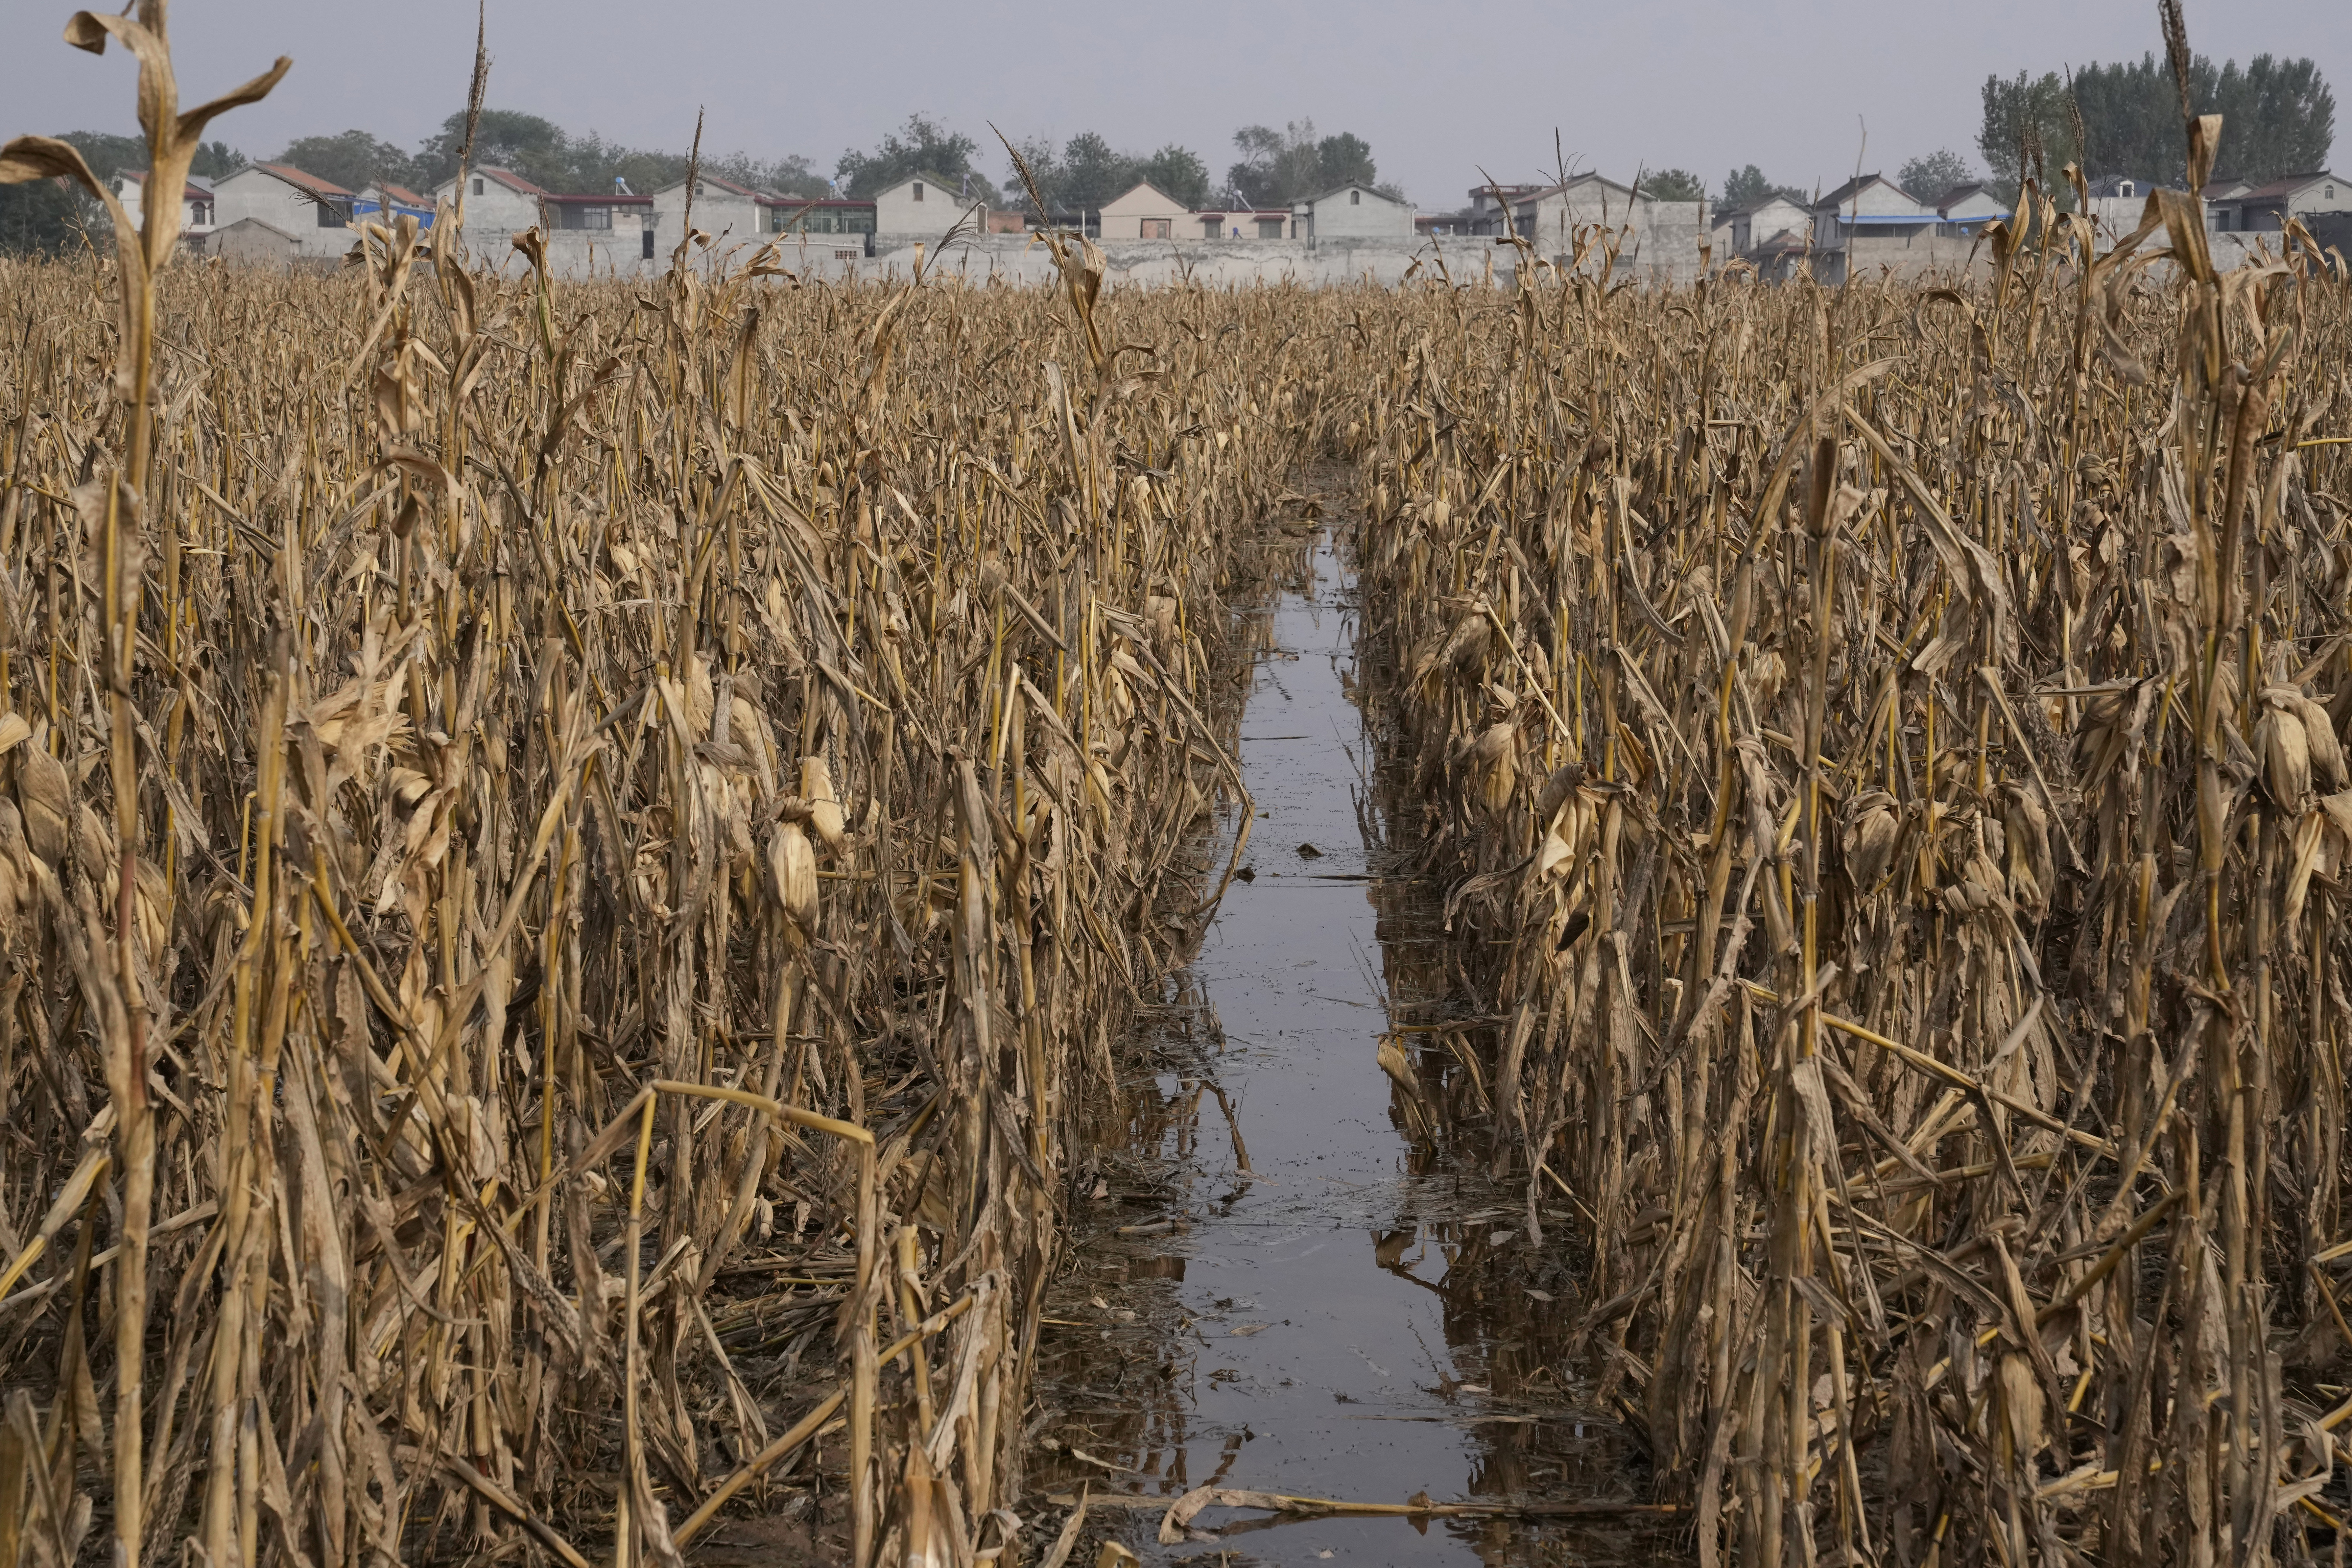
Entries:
{"x":1662,"y":257}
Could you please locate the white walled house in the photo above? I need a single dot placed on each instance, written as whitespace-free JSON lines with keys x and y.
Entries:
{"x":1972,"y":202}
{"x":196,"y":202}
{"x":2318,"y":193}
{"x":315,"y":212}
{"x":1230,"y":224}
{"x":1491,"y":206}
{"x":1548,"y":216}
{"x":1147,"y":212}
{"x":722,"y":209}
{"x":2116,"y":204}
{"x":2224,"y":204}
{"x":924,"y":205}
{"x":498,"y":205}
{"x":251,"y":242}
{"x":1872,"y":222}
{"x":1355,"y":211}
{"x":1743,"y":230}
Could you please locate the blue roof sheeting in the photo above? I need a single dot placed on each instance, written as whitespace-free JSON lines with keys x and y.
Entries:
{"x":424,"y":215}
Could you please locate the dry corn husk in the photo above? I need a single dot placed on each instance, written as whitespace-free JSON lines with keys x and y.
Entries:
{"x":2283,"y":744}
{"x":46,"y":798}
{"x":824,"y":805}
{"x":792,"y":874}
{"x":1872,"y":830}
{"x":2326,"y":752}
{"x":701,"y":700}
{"x":1494,"y":757}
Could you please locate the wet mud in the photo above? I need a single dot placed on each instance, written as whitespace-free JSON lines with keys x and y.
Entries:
{"x":1291,"y":1269}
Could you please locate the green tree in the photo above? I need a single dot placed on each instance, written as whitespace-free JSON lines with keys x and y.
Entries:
{"x":2278,"y":117}
{"x":107,"y":153}
{"x":1749,"y":187}
{"x":1278,"y":168}
{"x":921,"y":146}
{"x":2284,"y":117}
{"x":1344,"y":160}
{"x":2028,"y":130}
{"x":216,"y":160}
{"x":354,"y":159}
{"x":1180,"y":173}
{"x":534,"y":146}
{"x":1093,"y":172}
{"x":1673,"y":185}
{"x":1928,"y":178}
{"x":44,"y":217}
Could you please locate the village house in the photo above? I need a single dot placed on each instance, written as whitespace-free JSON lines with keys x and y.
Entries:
{"x":1491,"y":206}
{"x":1741,"y":231}
{"x":720,"y":208}
{"x":1873,"y":221}
{"x":1964,"y":210}
{"x":823,"y":218}
{"x":923,"y":205}
{"x":2265,"y":209}
{"x":196,"y":202}
{"x":497,"y":204}
{"x":2225,"y":201}
{"x":616,"y":220}
{"x":253,"y":242}
{"x":1147,"y":212}
{"x":1548,"y":216}
{"x":1353,"y":212}
{"x":1246,"y":223}
{"x":287,"y":199}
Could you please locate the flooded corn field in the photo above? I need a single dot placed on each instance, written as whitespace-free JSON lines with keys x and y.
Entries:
{"x":743,"y":918}
{"x":1293,"y":1272}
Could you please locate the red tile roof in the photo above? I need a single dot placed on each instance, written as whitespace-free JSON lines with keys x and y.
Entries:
{"x":299,"y":179}
{"x":510,"y":180}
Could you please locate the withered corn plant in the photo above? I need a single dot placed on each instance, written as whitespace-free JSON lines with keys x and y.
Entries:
{"x":1884,"y":743}
{"x":568,"y":857}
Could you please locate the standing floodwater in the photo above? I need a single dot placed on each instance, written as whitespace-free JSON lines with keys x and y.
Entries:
{"x":1294,"y":1275}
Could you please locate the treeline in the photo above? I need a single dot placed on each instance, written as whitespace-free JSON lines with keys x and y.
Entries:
{"x":2123,"y":120}
{"x":1274,"y":169}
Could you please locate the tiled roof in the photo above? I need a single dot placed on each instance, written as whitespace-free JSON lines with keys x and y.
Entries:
{"x":513,"y":181}
{"x":302,"y":181}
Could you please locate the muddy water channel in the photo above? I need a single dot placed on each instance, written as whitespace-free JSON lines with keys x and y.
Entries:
{"x":1292,"y":1272}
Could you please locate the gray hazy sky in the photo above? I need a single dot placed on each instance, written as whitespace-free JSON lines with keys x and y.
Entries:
{"x":1438,"y":89}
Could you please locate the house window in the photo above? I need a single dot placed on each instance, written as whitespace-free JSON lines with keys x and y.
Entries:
{"x":331,"y":217}
{"x":1213,"y":228}
{"x":591,"y":218}
{"x":645,"y":248}
{"x":1269,"y":228}
{"x":918,"y":189}
{"x":1155,"y":228}
{"x":478,"y":187}
{"x":2331,"y":192}
{"x":1355,"y":198}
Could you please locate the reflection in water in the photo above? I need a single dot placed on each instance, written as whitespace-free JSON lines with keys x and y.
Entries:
{"x":1291,"y":1268}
